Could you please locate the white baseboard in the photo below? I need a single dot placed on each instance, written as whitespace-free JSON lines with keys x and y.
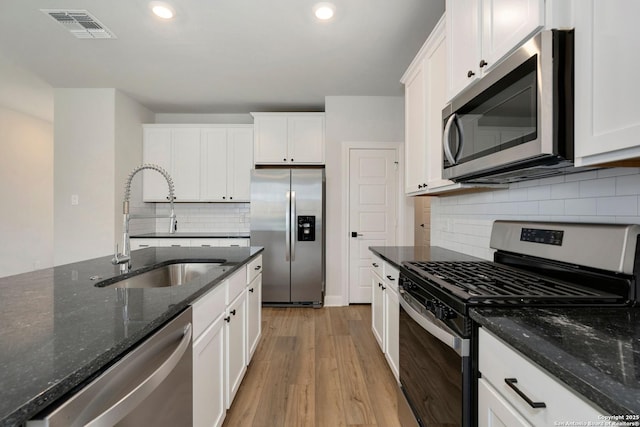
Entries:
{"x":334,"y":301}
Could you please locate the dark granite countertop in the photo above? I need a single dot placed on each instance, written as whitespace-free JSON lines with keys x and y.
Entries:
{"x":595,"y":351}
{"x":200,"y":235}
{"x":396,"y":255}
{"x":57,"y":330}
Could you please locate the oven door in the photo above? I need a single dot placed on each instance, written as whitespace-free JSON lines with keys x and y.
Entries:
{"x":434,"y":369}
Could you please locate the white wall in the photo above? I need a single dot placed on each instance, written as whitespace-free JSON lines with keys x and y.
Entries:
{"x":98,"y":141}
{"x":351,"y":119}
{"x":26,"y":170}
{"x":463,"y":223}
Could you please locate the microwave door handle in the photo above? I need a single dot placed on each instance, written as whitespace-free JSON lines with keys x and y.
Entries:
{"x":446,"y":142}
{"x":456,"y":122}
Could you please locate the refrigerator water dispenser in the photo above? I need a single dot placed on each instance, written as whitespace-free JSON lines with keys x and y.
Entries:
{"x":306,"y":228}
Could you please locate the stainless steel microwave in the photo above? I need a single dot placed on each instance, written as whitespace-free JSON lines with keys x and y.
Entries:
{"x":516,"y":123}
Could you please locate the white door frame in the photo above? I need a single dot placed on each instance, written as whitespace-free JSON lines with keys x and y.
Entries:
{"x":401,"y":205}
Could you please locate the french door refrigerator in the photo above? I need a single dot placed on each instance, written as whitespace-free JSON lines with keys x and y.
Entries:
{"x":287,"y":219}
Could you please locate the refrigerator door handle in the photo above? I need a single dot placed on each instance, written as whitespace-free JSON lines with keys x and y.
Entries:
{"x":287,"y":228}
{"x":293,"y":226}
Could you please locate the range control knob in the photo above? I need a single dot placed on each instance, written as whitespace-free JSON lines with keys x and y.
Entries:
{"x":444,"y":313}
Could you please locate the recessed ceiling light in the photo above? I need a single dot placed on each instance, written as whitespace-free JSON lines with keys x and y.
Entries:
{"x":162,"y":10}
{"x":324,"y":11}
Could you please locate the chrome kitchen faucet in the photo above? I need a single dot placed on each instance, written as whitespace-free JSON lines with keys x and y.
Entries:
{"x":124,"y":259}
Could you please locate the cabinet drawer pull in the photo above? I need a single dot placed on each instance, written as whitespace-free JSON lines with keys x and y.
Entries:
{"x":375,"y":265}
{"x":227,"y":319}
{"x":258,"y":267}
{"x":379,"y":284}
{"x":251,"y":290}
{"x":233,"y":312}
{"x":483,"y":63}
{"x":511,"y":382}
{"x":470,"y":74}
{"x":384,"y":287}
{"x":390,"y":278}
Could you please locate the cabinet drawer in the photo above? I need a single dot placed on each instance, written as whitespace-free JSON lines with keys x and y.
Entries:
{"x":391,"y":275}
{"x":207,"y":308}
{"x":497,"y":362}
{"x":254,"y":268}
{"x":236,"y":283}
{"x":377,"y":265}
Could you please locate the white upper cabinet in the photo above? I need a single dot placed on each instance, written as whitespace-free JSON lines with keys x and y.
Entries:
{"x":178,"y":152}
{"x":227,"y":156}
{"x":208,"y":163}
{"x":415,"y":127}
{"x":289,"y":138}
{"x":607,"y":112}
{"x":482,"y":32}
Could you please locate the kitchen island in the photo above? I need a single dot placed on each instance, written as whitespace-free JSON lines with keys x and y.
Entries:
{"x":58,"y":330}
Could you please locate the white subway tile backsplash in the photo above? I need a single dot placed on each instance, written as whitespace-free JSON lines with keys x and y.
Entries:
{"x":628,"y":184}
{"x":598,"y":187}
{"x":567,"y":190}
{"x":206,"y":217}
{"x":620,"y":205}
{"x":580,"y":207}
{"x":463,"y":223}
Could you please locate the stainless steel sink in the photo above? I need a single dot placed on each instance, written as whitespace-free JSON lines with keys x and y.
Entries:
{"x":167,"y":275}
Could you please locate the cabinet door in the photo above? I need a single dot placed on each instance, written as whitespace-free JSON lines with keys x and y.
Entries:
{"x":607,"y":111}
{"x":415,"y":99}
{"x":270,"y":139}
{"x":392,"y":351}
{"x":240,"y":161}
{"x":464,"y":43}
{"x":254,"y":315}
{"x":208,"y":376}
{"x":156,"y":149}
{"x":306,"y":139}
{"x":506,"y":24}
{"x":494,"y":410}
{"x":214,"y":164}
{"x":377,"y":309}
{"x":235,"y":342}
{"x":185,"y":169}
{"x":435,"y":66}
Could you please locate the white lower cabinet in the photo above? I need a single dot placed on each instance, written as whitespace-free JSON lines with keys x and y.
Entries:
{"x":254,"y":318}
{"x":385,"y":310}
{"x":392,"y":349}
{"x":226,"y":331}
{"x":503,"y":371}
{"x":235,"y":345}
{"x":209,"y":405}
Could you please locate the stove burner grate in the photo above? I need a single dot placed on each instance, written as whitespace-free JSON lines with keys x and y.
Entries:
{"x":485,"y":280}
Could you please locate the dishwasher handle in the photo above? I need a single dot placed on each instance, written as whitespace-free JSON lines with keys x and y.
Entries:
{"x":131,"y":400}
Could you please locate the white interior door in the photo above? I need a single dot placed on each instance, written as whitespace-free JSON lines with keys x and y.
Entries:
{"x":373,"y":213}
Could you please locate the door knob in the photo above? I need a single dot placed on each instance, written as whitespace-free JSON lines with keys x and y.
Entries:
{"x":355,"y":234}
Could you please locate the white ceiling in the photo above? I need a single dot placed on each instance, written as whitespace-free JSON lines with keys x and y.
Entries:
{"x":224,"y":56}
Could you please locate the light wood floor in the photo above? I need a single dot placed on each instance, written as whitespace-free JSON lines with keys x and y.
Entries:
{"x":316,"y":367}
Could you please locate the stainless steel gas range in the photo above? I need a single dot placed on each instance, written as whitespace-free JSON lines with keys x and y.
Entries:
{"x":535,"y":264}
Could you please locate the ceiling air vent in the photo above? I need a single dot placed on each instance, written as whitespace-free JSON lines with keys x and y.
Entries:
{"x":80,"y":23}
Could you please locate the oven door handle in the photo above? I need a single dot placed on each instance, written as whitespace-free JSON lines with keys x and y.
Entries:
{"x":435,"y":327}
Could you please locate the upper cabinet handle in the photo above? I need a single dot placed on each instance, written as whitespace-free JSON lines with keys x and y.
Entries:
{"x":470,"y":74}
{"x":375,"y":265}
{"x":483,"y":63}
{"x":390,"y":278}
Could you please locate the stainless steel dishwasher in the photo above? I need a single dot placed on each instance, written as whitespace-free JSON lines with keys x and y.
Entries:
{"x":152,"y":385}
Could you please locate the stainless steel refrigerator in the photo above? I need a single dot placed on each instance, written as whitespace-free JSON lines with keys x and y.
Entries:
{"x":287,"y":218}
